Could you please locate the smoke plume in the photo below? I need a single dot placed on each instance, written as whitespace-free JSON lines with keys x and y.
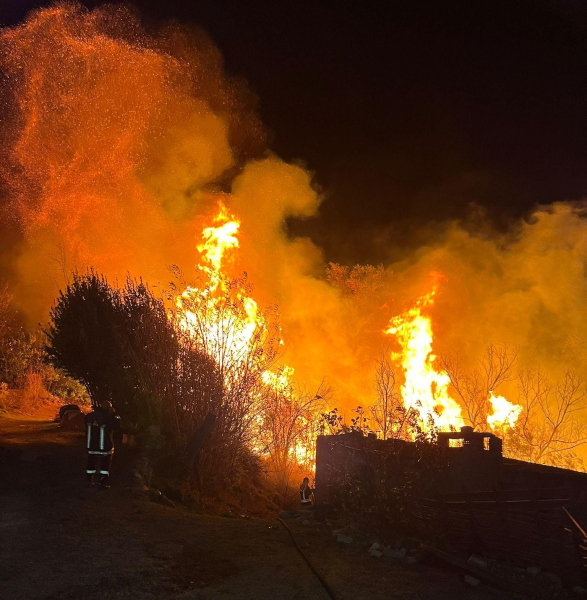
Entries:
{"x":117,"y":143}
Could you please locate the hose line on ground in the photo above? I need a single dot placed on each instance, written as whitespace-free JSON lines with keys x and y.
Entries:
{"x":321,"y":579}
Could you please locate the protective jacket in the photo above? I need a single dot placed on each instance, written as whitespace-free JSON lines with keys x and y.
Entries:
{"x":100,"y":426}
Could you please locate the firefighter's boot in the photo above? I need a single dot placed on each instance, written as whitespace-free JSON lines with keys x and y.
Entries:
{"x":103,"y":483}
{"x":89,"y":479}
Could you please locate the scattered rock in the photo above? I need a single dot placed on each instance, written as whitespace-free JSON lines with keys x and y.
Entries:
{"x":305,"y":517}
{"x":138,"y":484}
{"x":394,"y":553}
{"x":477,"y":561}
{"x":376,"y":553}
{"x":306,"y":522}
{"x":473,"y":581}
{"x":533,"y":571}
{"x":411,"y":560}
{"x":579,"y":591}
{"x":344,"y":539}
{"x":374,"y":546}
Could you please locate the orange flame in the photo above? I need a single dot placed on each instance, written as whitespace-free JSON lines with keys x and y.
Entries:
{"x":221,"y":339}
{"x":425,"y":389}
{"x":230,"y":344}
{"x":219,"y":239}
{"x":504,"y":412}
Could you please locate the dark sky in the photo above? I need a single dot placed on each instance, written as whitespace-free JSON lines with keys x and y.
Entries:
{"x":409,"y":112}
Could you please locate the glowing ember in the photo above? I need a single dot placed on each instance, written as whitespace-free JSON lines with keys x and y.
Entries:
{"x":115,"y":140}
{"x":504,"y":412}
{"x":425,"y":389}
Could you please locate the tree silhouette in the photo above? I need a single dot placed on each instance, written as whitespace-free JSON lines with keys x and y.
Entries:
{"x":121,"y":344}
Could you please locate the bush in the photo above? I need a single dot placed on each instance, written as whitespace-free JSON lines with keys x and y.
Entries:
{"x":26,"y":376}
{"x":122,"y":344}
{"x":83,"y":337}
{"x":381,"y":480}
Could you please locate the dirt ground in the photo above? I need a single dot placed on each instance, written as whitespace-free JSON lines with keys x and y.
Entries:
{"x":59,"y":540}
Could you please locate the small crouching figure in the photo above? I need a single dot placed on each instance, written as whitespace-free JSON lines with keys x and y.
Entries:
{"x":306,"y":492}
{"x":100,"y":426}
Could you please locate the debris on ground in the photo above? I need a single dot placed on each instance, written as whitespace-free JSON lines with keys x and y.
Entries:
{"x":473,"y":581}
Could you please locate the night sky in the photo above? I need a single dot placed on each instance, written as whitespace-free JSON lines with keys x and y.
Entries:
{"x":409,"y":114}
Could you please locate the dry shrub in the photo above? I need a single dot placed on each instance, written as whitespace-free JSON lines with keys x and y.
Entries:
{"x":30,"y":398}
{"x":4,"y":397}
{"x":240,"y":488}
{"x":34,"y":393}
{"x":233,"y":391}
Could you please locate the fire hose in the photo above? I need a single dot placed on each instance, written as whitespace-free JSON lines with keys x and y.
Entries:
{"x":321,"y":579}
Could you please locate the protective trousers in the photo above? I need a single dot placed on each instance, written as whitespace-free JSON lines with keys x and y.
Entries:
{"x":99,"y":463}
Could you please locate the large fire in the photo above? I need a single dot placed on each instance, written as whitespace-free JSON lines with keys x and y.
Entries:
{"x":227,"y":345}
{"x":426,"y":387}
{"x":236,"y":341}
{"x":117,"y":143}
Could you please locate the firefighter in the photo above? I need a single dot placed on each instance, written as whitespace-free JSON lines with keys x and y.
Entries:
{"x":306,"y":492}
{"x":100,"y":426}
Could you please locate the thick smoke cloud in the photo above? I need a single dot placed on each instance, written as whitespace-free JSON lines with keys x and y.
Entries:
{"x":117,"y":145}
{"x":526,"y":287}
{"x":115,"y":141}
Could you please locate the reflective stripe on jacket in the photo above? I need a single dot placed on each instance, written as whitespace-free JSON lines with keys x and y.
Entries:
{"x":100,"y":426}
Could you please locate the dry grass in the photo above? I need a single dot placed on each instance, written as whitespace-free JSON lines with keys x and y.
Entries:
{"x":31,"y":399}
{"x":34,"y":393}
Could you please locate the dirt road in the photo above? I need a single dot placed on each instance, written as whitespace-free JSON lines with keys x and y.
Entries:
{"x":59,"y":540}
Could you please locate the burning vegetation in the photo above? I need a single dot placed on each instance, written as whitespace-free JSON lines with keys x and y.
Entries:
{"x":131,"y":152}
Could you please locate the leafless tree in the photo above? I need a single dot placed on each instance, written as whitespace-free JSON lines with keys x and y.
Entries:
{"x":6,"y":319}
{"x":288,"y":427}
{"x":473,"y":386}
{"x":384,"y":410}
{"x":363,"y":291}
{"x":6,"y":311}
{"x":393,"y":420}
{"x":62,"y":265}
{"x":548,"y":430}
{"x":361,"y":280}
